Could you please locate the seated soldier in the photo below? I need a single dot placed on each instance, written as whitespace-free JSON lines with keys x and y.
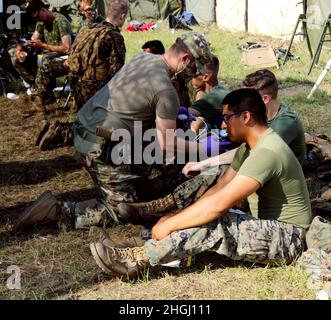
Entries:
{"x":88,"y":12}
{"x":208,"y":107}
{"x":55,"y":30}
{"x":118,"y":107}
{"x":280,"y":118}
{"x":266,"y":171}
{"x":95,"y":70}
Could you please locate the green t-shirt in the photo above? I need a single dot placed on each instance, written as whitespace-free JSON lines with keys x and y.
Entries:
{"x":283,"y":194}
{"x":53,"y":33}
{"x":139,"y":91}
{"x":288,"y":125}
{"x":210,"y":104}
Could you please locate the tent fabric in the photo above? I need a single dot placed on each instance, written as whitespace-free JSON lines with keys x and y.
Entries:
{"x":317,"y":12}
{"x":204,"y":11}
{"x":60,"y":3}
{"x":154,"y":9}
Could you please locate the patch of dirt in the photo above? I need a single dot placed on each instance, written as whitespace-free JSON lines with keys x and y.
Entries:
{"x":295,"y":89}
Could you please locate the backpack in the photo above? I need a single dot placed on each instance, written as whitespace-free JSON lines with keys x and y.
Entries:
{"x":83,"y":57}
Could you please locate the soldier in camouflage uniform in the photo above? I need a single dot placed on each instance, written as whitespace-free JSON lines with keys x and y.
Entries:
{"x":88,"y":13}
{"x":139,"y":95}
{"x":53,"y":36}
{"x":101,"y":58}
{"x":265,"y":170}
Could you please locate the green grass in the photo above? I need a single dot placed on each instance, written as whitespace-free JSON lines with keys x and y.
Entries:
{"x":57,"y":263}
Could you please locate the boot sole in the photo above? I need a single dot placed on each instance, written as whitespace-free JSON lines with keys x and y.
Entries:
{"x":41,"y":134}
{"x":20,"y":222}
{"x":99,"y":261}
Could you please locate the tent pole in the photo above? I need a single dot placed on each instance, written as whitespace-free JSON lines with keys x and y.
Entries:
{"x":246,"y":15}
{"x":320,"y":78}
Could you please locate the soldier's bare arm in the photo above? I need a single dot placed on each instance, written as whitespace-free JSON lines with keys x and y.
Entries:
{"x":64,"y":47}
{"x":224,"y":158}
{"x":168,"y":140}
{"x":208,"y":208}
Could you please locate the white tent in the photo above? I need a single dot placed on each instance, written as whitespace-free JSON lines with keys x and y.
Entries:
{"x":274,"y":18}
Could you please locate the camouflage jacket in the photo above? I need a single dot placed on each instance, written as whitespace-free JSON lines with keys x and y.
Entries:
{"x":52,"y":33}
{"x":102,"y":58}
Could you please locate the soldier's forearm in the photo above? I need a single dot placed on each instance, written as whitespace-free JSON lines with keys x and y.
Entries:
{"x":53,"y":48}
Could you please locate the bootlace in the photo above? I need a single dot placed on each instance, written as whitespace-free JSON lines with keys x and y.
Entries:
{"x":133,"y":254}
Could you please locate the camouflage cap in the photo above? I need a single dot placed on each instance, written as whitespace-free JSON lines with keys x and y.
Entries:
{"x":199,"y":48}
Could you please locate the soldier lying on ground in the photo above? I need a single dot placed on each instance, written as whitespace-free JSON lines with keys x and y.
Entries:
{"x":265,"y":170}
{"x":141,"y":96}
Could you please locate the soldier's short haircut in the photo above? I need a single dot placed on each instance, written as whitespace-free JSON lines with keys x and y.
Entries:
{"x":213,"y":66}
{"x":263,"y":81}
{"x":247,"y":100}
{"x":116,"y":8}
{"x":156,"y":46}
{"x":180,"y":46}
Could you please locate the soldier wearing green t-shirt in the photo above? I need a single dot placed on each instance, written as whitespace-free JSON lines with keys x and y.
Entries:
{"x":209,"y":106}
{"x":281,"y":119}
{"x":267,"y":172}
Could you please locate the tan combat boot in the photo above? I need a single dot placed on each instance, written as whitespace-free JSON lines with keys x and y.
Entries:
{"x":57,"y":134}
{"x":97,"y":234}
{"x":38,"y":105}
{"x":43,"y":129}
{"x":44,"y":209}
{"x":145,"y":213}
{"x":119,"y":261}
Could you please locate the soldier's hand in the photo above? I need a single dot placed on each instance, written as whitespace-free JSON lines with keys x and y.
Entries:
{"x":161,"y":230}
{"x":37,"y":44}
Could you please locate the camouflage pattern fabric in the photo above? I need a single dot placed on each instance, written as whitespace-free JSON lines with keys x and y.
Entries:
{"x":98,"y":52}
{"x":53,"y":34}
{"x":317,"y":264}
{"x":28,"y":69}
{"x":237,"y":236}
{"x":88,"y":213}
{"x":117,"y":183}
{"x":192,"y":189}
{"x":124,"y":183}
{"x":84,"y":90}
{"x":48,"y":71}
{"x":319,"y":235}
{"x":107,"y":57}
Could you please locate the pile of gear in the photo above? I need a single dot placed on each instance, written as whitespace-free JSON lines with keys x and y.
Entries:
{"x":316,"y":261}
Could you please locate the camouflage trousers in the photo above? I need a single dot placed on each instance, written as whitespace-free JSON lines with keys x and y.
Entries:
{"x":27,"y":69}
{"x":192,"y":189}
{"x":84,"y":90}
{"x":122,"y":183}
{"x":50,"y":69}
{"x":237,"y":236}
